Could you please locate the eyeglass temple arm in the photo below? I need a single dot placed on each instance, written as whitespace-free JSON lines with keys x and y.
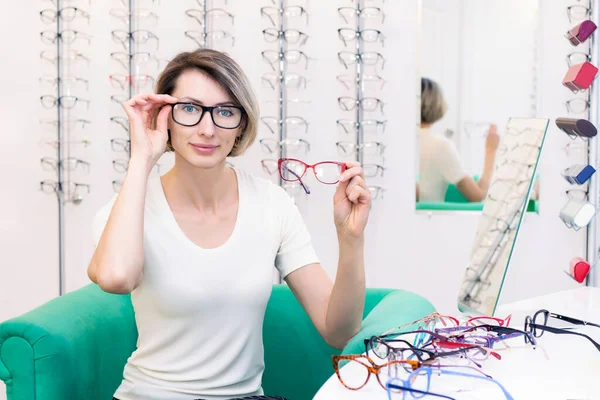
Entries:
{"x":408,"y":389}
{"x":559,"y":331}
{"x":573,"y":320}
{"x":306,"y":189}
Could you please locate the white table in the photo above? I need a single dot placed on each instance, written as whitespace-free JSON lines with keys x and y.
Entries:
{"x":571,"y":372}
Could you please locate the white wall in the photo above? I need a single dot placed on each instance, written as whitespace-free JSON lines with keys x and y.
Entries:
{"x":423,"y":253}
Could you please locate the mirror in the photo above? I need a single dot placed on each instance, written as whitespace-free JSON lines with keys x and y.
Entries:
{"x":507,"y":202}
{"x":478,"y":69}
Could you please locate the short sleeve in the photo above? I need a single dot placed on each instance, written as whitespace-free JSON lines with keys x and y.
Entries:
{"x":450,"y":165}
{"x":101,"y":219}
{"x":295,"y":249}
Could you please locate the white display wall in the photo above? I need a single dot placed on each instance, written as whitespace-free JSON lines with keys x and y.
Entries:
{"x":418,"y":252}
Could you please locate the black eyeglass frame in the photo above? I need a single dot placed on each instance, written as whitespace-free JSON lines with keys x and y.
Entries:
{"x":537,"y":330}
{"x":210,"y":110}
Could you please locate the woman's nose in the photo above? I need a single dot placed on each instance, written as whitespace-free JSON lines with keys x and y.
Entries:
{"x":206,"y":125}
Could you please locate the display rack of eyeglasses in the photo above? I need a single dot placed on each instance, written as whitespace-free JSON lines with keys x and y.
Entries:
{"x":281,"y":80}
{"x":361,"y":32}
{"x":209,"y":18}
{"x":66,"y":165}
{"x":137,"y":64}
{"x":504,"y":207}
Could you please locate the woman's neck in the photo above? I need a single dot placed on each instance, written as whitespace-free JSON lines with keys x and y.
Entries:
{"x":205,"y":188}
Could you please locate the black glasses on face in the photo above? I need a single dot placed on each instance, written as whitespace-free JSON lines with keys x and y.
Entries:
{"x":190,"y":114}
{"x":537,"y":325}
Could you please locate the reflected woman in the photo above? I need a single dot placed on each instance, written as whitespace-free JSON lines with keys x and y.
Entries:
{"x":440,"y":163}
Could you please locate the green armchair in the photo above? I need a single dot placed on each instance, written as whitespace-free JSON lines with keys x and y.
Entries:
{"x":75,"y":346}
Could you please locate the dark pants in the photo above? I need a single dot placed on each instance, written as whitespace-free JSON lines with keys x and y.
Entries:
{"x":249,"y":398}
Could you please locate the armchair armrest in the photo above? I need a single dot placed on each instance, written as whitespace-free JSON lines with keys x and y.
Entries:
{"x":76,"y":344}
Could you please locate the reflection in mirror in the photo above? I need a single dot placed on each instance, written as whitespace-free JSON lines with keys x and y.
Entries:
{"x":506,"y":202}
{"x":473,"y":79}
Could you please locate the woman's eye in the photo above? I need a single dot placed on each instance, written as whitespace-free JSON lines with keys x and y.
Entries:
{"x":190,"y":109}
{"x":225,"y":112}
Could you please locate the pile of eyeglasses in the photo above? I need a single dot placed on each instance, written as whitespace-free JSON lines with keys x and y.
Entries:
{"x":286,"y":35}
{"x":64,"y":99}
{"x":578,"y":211}
{"x":135,"y":63}
{"x":362,"y":60}
{"x":440,"y":356}
{"x":211,"y":26}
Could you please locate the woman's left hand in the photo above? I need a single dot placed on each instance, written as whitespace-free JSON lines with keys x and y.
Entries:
{"x":352,"y":201}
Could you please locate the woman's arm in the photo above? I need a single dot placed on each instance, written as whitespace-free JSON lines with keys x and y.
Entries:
{"x":116,"y":265}
{"x":336,"y":309}
{"x":477,"y":191}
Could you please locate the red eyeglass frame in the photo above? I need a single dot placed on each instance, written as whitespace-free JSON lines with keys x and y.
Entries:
{"x":342,"y":166}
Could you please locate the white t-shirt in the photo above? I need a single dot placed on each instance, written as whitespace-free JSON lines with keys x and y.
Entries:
{"x":439,"y":166}
{"x":199,"y":312}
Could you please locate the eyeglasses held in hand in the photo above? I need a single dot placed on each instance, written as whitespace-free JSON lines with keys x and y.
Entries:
{"x":290,"y":56}
{"x":199,"y":15}
{"x":349,"y":14}
{"x":200,"y":37}
{"x":290,"y":144}
{"x":290,"y":122}
{"x":67,"y":102}
{"x":327,"y":172}
{"x":290,"y":81}
{"x":138,"y":37}
{"x":67,"y":14}
{"x":292,"y":36}
{"x":364,"y":35}
{"x":274,"y":13}
{"x":190,"y":114}
{"x":537,"y":325}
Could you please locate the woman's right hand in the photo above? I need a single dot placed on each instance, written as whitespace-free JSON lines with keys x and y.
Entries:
{"x":147,"y":143}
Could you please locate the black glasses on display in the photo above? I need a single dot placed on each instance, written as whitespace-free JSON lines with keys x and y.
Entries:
{"x":190,"y":114}
{"x":537,"y":325}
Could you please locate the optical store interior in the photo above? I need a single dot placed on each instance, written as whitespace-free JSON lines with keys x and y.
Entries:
{"x":292,"y":199}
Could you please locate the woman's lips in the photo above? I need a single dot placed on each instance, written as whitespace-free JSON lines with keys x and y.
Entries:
{"x":204,"y":148}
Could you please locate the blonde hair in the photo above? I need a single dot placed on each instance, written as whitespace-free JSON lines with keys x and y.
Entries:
{"x":433,"y":105}
{"x":228,"y":74}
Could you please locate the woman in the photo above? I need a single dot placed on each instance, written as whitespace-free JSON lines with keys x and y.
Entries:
{"x":196,"y":247}
{"x":440,"y":163}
